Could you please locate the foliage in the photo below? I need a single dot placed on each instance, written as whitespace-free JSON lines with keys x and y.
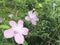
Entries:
{"x":47,"y":30}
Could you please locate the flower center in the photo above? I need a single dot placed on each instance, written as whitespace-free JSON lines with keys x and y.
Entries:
{"x":15,"y":32}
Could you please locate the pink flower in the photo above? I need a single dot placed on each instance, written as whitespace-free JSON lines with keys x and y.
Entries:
{"x":17,"y":31}
{"x":32,"y":17}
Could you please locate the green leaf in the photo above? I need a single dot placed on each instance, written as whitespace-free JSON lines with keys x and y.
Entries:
{"x":8,"y":44}
{"x":0,"y":43}
{"x":25,"y":43}
{"x":58,"y":41}
{"x":4,"y":26}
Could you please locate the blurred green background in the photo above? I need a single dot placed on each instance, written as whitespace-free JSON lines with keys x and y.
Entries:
{"x":47,"y":30}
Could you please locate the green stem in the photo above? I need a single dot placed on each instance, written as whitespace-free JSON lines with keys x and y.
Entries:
{"x":4,"y":3}
{"x":13,"y":41}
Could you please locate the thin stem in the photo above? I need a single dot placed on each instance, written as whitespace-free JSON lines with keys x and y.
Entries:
{"x":3,"y":2}
{"x":13,"y":41}
{"x":17,"y":13}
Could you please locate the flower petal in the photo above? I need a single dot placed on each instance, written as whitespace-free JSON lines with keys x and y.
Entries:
{"x":36,"y":19}
{"x":33,"y":22}
{"x":20,"y":23}
{"x":19,"y":39}
{"x":12,"y":23}
{"x":32,"y":14}
{"x":8,"y":33}
{"x":10,"y":16}
{"x":27,"y":18}
{"x":25,"y":31}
